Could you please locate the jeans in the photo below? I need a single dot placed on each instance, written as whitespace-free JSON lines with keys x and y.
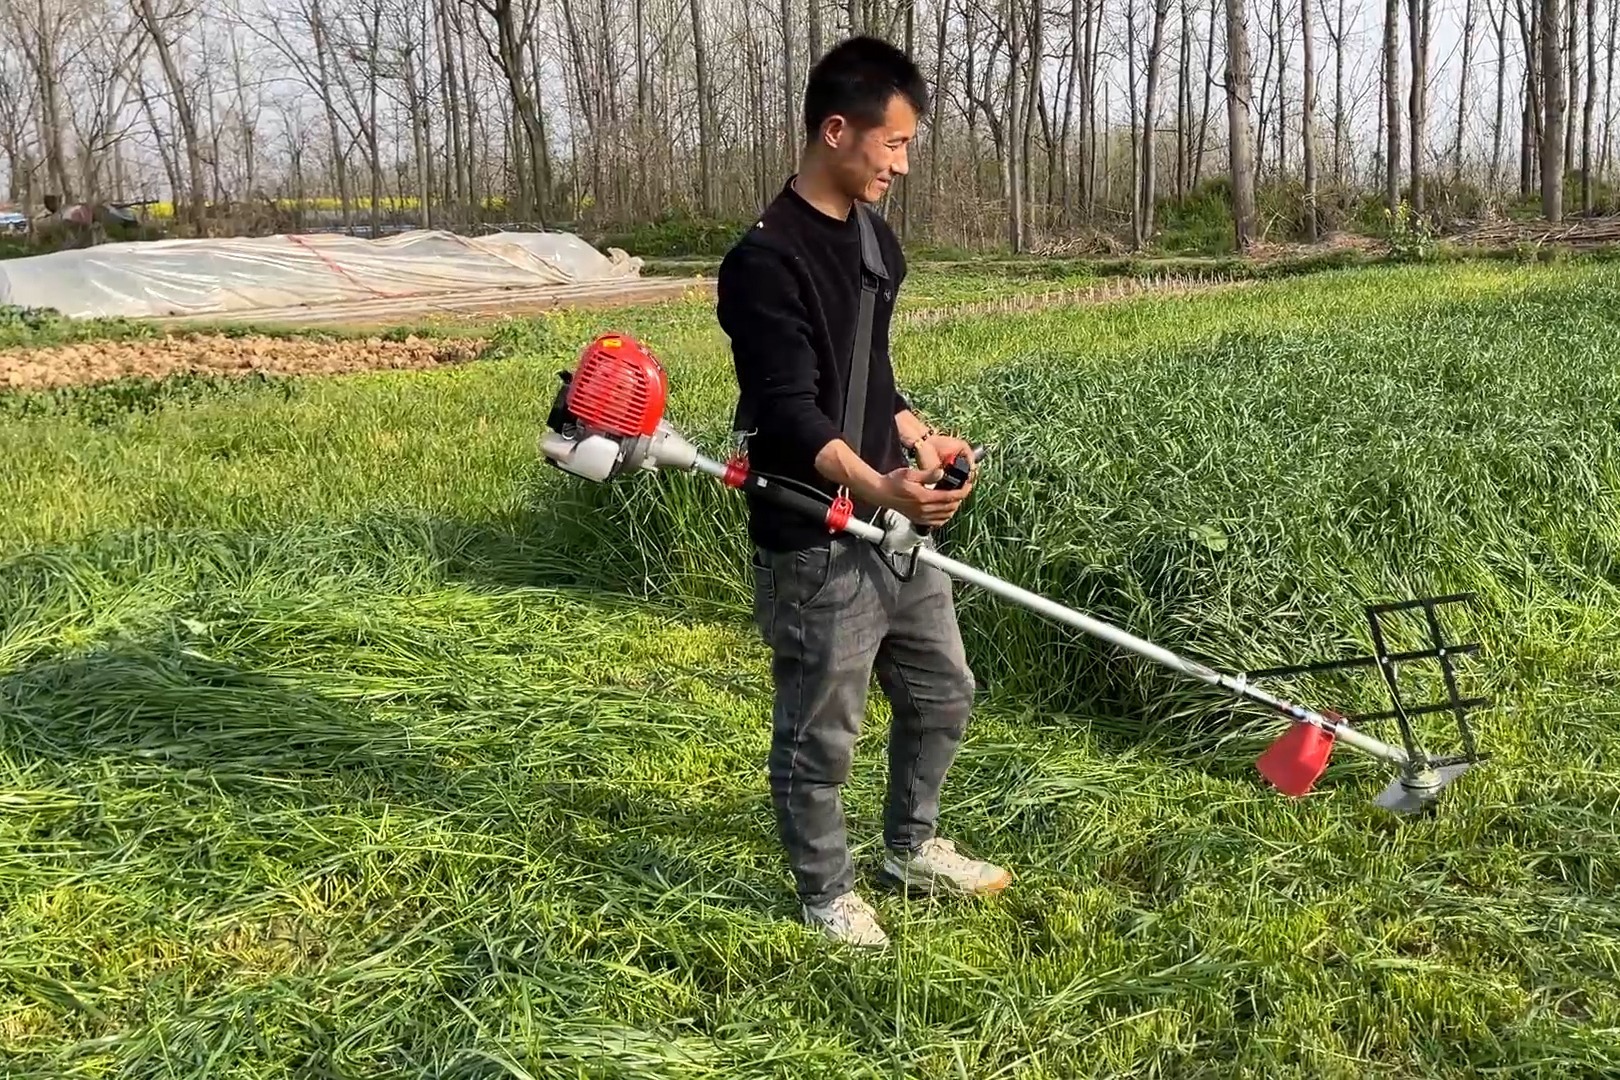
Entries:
{"x":832,"y":615}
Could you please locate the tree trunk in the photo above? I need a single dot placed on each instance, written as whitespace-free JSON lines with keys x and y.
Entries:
{"x":1088,"y":113}
{"x":450,"y":97}
{"x":475,"y":195}
{"x":181,"y":100}
{"x":373,"y":143}
{"x":1208,"y":81}
{"x":790,"y":144}
{"x":936,"y":165}
{"x":246,"y":119}
{"x":1552,"y":126}
{"x":1531,"y":130}
{"x":1500,"y":25}
{"x":1392,"y":104}
{"x":1586,"y":113}
{"x":1418,"y":12}
{"x":1608,"y":93}
{"x":40,"y":50}
{"x":1572,"y":95}
{"x":905,"y":181}
{"x":1032,"y":94}
{"x":1340,"y":120}
{"x":705,"y":115}
{"x":1161,"y":10}
{"x":1131,"y":36}
{"x":1307,"y":121}
{"x":512,"y":45}
{"x":1075,"y":60}
{"x":1014,"y":168}
{"x":1282,"y":94}
{"x":815,"y":29}
{"x":419,"y":137}
{"x":1184,"y":106}
{"x":340,"y":158}
{"x":1239,"y":97}
{"x":1462,"y":92}
{"x":171,"y":166}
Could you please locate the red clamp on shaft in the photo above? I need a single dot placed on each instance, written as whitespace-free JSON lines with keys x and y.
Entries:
{"x":736,"y":472}
{"x":840,"y":512}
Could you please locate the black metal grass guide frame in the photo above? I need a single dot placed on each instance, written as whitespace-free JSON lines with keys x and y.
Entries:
{"x":1440,"y":651}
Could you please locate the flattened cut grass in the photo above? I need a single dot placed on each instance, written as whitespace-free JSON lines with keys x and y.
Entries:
{"x":340,"y":737}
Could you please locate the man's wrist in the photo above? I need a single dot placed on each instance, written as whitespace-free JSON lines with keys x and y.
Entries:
{"x":912,"y":428}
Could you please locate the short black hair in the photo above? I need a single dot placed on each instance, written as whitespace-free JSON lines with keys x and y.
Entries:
{"x":857,"y":78}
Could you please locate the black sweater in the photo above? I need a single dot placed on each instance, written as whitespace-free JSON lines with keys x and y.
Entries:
{"x":789,"y":299}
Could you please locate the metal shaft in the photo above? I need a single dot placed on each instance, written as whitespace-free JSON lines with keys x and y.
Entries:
{"x":1114,"y":635}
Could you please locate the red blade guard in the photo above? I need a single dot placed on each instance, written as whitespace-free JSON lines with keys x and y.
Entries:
{"x":1296,"y":760}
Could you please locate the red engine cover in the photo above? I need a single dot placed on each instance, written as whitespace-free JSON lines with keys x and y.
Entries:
{"x":620,"y":387}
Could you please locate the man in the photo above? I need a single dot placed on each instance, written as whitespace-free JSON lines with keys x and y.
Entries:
{"x":830,"y":608}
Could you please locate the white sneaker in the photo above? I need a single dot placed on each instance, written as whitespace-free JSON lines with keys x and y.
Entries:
{"x":937,"y":863}
{"x":848,"y":919}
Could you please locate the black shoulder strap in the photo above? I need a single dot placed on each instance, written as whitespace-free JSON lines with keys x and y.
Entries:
{"x":872,"y":272}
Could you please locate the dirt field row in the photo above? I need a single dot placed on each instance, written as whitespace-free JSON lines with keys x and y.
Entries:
{"x":198,"y":350}
{"x":103,"y":361}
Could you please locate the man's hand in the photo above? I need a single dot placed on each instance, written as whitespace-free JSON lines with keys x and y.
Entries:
{"x":902,"y":490}
{"x":934,"y":450}
{"x":939,"y":451}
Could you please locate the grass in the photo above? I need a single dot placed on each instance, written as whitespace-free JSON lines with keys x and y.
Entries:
{"x":341,"y":737}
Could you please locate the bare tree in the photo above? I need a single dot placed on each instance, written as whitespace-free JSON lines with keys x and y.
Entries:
{"x":1161,"y":9}
{"x":1552,"y":141}
{"x":18,"y":101}
{"x":705,"y":109}
{"x":511,"y":53}
{"x":1308,"y":120}
{"x":1608,"y":93}
{"x":1014,"y":166}
{"x":42,"y":28}
{"x":1184,"y":109}
{"x":1586,"y":111}
{"x":1530,"y":33}
{"x":1392,"y":104}
{"x":1209,"y":81}
{"x":1462,"y":91}
{"x":1239,"y":98}
{"x":1498,"y":16}
{"x":1572,"y":60}
{"x":1419,"y":13}
{"x":157,"y":25}
{"x":1131,"y":37}
{"x":1335,"y":31}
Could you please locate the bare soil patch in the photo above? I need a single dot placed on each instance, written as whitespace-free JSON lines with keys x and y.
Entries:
{"x":103,"y":361}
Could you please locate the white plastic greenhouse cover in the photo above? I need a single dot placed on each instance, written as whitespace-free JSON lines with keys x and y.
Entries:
{"x":198,"y":277}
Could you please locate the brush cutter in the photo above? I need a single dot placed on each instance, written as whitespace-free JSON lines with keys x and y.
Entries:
{"x":608,"y":420}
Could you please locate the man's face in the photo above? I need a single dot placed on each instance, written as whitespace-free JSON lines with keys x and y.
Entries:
{"x":866,"y":160}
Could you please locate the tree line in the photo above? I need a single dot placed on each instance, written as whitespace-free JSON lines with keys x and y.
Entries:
{"x":1054,"y":119}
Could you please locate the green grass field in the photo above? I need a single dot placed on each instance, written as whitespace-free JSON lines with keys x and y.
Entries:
{"x":341,"y":737}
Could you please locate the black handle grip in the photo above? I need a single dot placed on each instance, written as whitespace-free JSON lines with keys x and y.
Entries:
{"x":787,"y":497}
{"x":956,"y":475}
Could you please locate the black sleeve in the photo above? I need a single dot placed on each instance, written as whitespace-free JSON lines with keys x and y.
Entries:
{"x":759,"y":308}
